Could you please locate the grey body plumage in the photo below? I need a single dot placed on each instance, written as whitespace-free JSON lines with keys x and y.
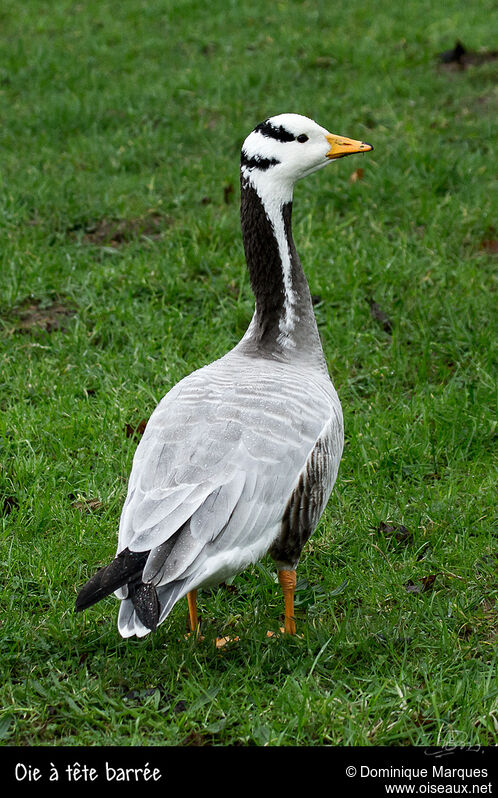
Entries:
{"x":240,"y":457}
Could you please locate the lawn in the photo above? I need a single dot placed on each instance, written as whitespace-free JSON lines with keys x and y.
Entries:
{"x":122,"y":270}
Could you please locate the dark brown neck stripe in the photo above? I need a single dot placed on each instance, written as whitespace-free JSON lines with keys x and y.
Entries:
{"x":263,"y":261}
{"x":269,"y":331}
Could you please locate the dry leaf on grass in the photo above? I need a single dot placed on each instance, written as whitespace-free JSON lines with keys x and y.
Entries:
{"x":399,"y":532}
{"x":228,"y":193}
{"x":222,"y":641}
{"x":9,"y":504}
{"x":380,"y":316}
{"x":424,"y":585}
{"x":137,"y":431}
{"x":357,"y":175}
{"x":87,"y":505}
{"x":490,"y":246}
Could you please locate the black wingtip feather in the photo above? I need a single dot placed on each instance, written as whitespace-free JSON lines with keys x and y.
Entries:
{"x":126,"y":566}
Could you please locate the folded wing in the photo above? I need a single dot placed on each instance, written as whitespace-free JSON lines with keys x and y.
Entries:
{"x":213,"y":474}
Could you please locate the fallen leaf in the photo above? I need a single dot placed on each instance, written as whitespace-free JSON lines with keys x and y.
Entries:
{"x":398,"y":531}
{"x":9,"y":503}
{"x":87,"y":505}
{"x":196,"y":739}
{"x":419,"y":719}
{"x":209,"y":48}
{"x":180,"y":706}
{"x":222,"y":641}
{"x":488,"y":561}
{"x":431,"y":476}
{"x":229,"y":588}
{"x":490,"y":246}
{"x":357,"y":175}
{"x":135,"y":432}
{"x":234,"y":289}
{"x":423,"y":586}
{"x":322,"y":62}
{"x":141,"y":695}
{"x":228,"y":192}
{"x":379,"y":316}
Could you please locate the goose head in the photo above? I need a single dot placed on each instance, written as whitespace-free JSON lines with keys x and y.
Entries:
{"x":288,"y":147}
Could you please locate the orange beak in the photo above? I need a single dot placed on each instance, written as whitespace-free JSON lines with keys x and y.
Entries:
{"x":341,"y":146}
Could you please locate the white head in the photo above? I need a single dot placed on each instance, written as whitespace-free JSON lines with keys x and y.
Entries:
{"x":287,"y":147}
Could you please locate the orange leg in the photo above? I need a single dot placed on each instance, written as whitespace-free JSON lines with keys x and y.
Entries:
{"x":192,"y":609}
{"x":287,"y":580}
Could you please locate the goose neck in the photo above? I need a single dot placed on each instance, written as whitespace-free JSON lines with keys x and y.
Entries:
{"x":284,"y":323}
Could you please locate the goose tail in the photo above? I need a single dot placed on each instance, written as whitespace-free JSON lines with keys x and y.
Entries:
{"x":141,"y":616}
{"x":143,"y":606}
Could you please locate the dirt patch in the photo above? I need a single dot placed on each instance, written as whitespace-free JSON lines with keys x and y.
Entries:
{"x":118,"y":232}
{"x":380,"y":316}
{"x":459,"y":57}
{"x":39,"y":314}
{"x":8,"y":505}
{"x":490,"y":246}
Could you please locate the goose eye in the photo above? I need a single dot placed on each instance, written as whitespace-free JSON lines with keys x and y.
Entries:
{"x":302,"y":138}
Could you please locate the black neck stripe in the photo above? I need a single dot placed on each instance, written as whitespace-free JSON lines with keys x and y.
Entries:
{"x":257,"y":162}
{"x":271,"y":131}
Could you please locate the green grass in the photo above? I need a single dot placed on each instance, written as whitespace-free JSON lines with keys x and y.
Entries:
{"x":119,"y":147}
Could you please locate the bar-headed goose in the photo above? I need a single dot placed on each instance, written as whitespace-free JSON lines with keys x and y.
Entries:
{"x":240,"y":457}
